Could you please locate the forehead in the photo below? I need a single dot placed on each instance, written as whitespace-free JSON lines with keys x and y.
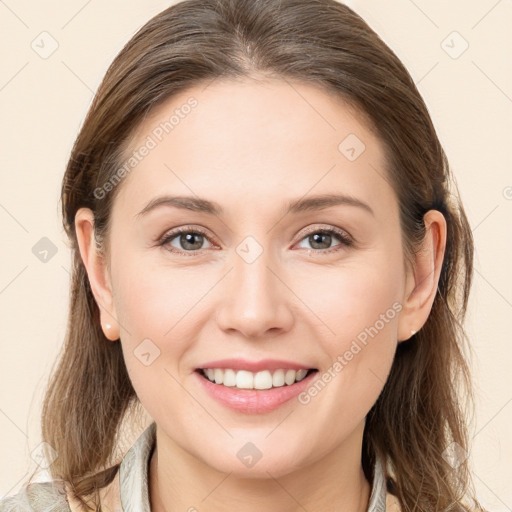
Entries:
{"x":251,"y":142}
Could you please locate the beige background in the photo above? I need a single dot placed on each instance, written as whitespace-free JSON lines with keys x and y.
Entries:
{"x":44,"y":100}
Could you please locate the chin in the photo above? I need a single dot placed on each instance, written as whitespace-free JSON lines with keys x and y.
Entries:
{"x":271,"y":467}
{"x":245,"y":459}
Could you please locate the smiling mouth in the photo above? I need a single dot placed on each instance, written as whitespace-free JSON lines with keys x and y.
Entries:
{"x":243,"y":379}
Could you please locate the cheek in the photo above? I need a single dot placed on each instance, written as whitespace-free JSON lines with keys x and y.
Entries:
{"x":153,"y":313}
{"x":348,"y":300}
{"x":341,"y":303}
{"x":159,"y":309}
{"x":357,"y":312}
{"x":347,"y":308}
{"x":154,"y":299}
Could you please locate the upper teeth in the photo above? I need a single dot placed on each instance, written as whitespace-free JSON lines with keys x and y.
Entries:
{"x":247,"y":380}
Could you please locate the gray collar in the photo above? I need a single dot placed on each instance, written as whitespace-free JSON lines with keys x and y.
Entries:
{"x":133,"y":477}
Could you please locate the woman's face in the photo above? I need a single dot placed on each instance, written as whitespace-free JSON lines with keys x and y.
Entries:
{"x":260,"y":281}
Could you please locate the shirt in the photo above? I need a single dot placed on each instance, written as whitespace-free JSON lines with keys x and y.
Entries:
{"x":130,"y":487}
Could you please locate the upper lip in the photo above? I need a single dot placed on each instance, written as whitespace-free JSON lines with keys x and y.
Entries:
{"x":254,"y":366}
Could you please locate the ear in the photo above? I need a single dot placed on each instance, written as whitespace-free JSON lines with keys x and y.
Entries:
{"x":422,"y":280}
{"x":97,"y":272}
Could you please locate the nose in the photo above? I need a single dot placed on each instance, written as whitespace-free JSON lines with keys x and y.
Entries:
{"x":255,"y":300}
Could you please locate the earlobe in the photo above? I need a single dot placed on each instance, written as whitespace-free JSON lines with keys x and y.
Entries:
{"x":110,"y":332}
{"x":97,"y":273}
{"x":422,"y":280}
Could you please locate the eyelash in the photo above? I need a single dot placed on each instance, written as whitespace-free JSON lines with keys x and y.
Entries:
{"x":346,"y":241}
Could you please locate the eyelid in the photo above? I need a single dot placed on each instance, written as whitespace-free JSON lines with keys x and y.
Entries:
{"x":346,"y":239}
{"x":173,"y":233}
{"x":338,"y":231}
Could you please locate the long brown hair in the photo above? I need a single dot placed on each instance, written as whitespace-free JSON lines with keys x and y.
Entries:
{"x":418,"y":417}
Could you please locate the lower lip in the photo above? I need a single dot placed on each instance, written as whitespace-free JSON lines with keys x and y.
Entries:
{"x":252,"y":401}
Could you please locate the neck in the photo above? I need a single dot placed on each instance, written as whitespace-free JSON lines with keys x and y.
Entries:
{"x":179,"y":481}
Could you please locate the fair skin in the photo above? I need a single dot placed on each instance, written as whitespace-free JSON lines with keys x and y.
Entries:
{"x":253,"y":146}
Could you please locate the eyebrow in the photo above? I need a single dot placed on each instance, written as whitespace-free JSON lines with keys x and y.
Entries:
{"x":197,"y":204}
